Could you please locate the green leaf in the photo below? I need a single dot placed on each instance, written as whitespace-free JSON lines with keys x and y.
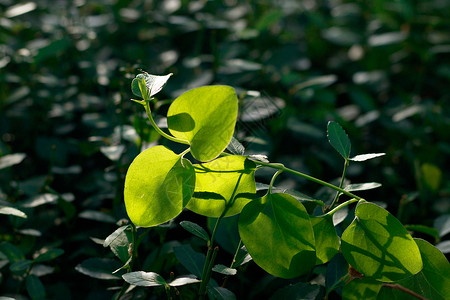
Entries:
{"x":119,"y":242}
{"x":362,"y":186}
{"x":35,"y":288}
{"x":11,"y":160}
{"x":242,"y":257}
{"x":153,"y":83}
{"x":377,"y":245}
{"x":338,"y":138}
{"x":183,"y":280}
{"x":424,"y":229}
{"x":20,"y":266}
{"x":97,"y":216}
{"x":205,"y":117}
{"x":49,"y":255}
{"x":327,"y":241}
{"x":158,"y":185}
{"x":235,"y":147}
{"x":359,"y":289}
{"x":141,"y":278}
{"x":191,"y":260}
{"x":100,"y":268}
{"x":7,"y":210}
{"x":364,"y":157}
{"x":300,"y":290}
{"x":12,"y":253}
{"x":336,"y":270}
{"x":433,"y":282}
{"x":225,"y":183}
{"x":220,"y":293}
{"x":442,"y":224}
{"x":278,"y":234}
{"x":195,"y":229}
{"x":224,"y":270}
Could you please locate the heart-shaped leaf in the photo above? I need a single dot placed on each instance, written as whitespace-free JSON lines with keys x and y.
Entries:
{"x":225,"y":183}
{"x":205,"y":117}
{"x":377,"y":245}
{"x":278,"y":234}
{"x":158,"y":185}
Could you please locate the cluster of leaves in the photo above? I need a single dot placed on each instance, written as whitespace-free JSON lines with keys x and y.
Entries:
{"x":68,"y":131}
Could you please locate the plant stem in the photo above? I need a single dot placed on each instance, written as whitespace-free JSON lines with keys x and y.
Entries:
{"x":331,"y":212}
{"x":344,"y":172}
{"x":206,"y":273}
{"x":273,"y":180}
{"x":403,"y":289}
{"x":162,"y":133}
{"x":316,"y":180}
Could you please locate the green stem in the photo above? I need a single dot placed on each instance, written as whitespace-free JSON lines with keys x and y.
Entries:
{"x":310,"y":178}
{"x":209,"y":260}
{"x":344,"y":172}
{"x":236,"y":254}
{"x":273,"y":180}
{"x":331,"y":212}
{"x":162,"y":133}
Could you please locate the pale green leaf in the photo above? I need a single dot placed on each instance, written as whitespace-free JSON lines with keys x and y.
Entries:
{"x":225,"y":183}
{"x":205,"y":117}
{"x":7,"y":210}
{"x":224,"y":270}
{"x":364,"y":157}
{"x":153,"y":83}
{"x":377,"y":245}
{"x":183,"y":280}
{"x":158,"y":185}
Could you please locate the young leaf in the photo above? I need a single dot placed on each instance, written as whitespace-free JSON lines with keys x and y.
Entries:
{"x":49,"y":255}
{"x":338,"y":138}
{"x":35,"y":288}
{"x":224,"y":270}
{"x":205,"y":117}
{"x":364,"y":157}
{"x":195,"y":229}
{"x":153,"y":83}
{"x":158,"y":186}
{"x":377,"y":245}
{"x":183,"y":280}
{"x":278,"y":234}
{"x":227,"y":182}
{"x":141,"y":278}
{"x":327,"y":241}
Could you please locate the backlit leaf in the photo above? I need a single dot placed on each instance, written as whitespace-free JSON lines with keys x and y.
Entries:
{"x":205,"y":117}
{"x":327,"y":241}
{"x":158,"y":185}
{"x":227,"y":182}
{"x":153,"y":83}
{"x":377,"y":245}
{"x":278,"y":234}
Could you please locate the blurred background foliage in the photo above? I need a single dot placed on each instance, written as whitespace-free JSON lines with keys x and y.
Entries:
{"x":68,"y":130}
